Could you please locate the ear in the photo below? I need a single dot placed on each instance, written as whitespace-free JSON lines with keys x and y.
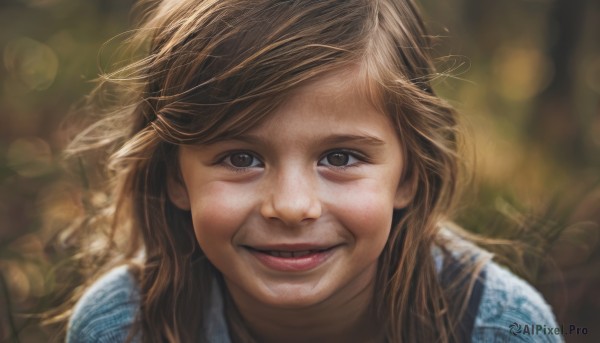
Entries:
{"x":406,"y":192}
{"x":178,"y":193}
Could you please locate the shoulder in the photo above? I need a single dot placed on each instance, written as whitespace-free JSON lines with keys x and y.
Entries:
{"x":107,"y":310}
{"x":510,"y":308}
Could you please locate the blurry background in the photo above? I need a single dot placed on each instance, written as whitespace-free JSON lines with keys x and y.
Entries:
{"x":524,"y":73}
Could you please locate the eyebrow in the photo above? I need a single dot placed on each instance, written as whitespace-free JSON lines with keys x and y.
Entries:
{"x":333,"y":139}
{"x":360,"y":139}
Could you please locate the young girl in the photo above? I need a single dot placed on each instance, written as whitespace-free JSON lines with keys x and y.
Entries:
{"x":285,"y":172}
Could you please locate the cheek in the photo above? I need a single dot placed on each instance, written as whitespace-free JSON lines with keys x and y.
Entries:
{"x":217,"y":212}
{"x":366,"y":211}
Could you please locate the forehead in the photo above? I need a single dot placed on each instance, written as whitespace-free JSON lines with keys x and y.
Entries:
{"x":335,"y":93}
{"x":329,"y":97}
{"x":340,"y":102}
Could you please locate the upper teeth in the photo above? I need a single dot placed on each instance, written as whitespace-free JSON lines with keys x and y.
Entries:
{"x":289,"y":253}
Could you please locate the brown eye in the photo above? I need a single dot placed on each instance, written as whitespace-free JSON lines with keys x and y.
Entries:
{"x":241,"y":160}
{"x":341,"y":159}
{"x":338,"y":159}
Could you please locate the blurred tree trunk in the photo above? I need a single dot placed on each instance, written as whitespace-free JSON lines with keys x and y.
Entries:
{"x":555,"y":122}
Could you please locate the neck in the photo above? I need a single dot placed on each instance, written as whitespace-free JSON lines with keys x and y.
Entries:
{"x":343,"y":317}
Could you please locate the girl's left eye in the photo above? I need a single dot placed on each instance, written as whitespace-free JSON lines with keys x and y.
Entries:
{"x":339,"y":159}
{"x":242,"y":160}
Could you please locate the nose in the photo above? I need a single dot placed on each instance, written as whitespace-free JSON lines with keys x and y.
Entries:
{"x":292,"y":198}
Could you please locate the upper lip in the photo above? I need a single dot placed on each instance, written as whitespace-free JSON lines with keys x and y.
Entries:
{"x":291,"y":247}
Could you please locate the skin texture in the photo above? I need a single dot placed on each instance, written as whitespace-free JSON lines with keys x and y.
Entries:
{"x":323,"y":170}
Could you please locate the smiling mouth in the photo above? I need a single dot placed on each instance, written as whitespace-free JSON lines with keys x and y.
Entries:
{"x":290,"y":254}
{"x":297,"y":258}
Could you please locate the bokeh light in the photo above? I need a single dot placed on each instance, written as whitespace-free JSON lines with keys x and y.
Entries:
{"x":521,"y":73}
{"x":31,"y":62}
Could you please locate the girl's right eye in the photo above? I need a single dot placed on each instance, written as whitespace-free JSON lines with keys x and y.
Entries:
{"x":241,"y":160}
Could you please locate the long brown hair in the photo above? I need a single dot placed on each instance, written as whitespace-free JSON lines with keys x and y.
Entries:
{"x":215,"y":68}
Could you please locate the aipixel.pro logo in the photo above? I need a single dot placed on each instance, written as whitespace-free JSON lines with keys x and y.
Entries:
{"x":515,"y":328}
{"x":532,"y":329}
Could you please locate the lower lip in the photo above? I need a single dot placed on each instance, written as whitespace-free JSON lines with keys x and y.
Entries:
{"x":292,"y":264}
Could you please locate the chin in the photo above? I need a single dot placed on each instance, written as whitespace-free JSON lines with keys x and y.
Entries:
{"x":292,"y":296}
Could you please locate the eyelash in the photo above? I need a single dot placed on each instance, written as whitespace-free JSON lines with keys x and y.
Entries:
{"x":360,"y":159}
{"x":223,"y":161}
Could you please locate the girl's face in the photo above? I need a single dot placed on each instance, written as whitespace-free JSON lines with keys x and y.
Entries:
{"x":297,"y":210}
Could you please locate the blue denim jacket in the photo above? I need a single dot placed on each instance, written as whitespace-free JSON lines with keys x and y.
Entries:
{"x":107,"y":310}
